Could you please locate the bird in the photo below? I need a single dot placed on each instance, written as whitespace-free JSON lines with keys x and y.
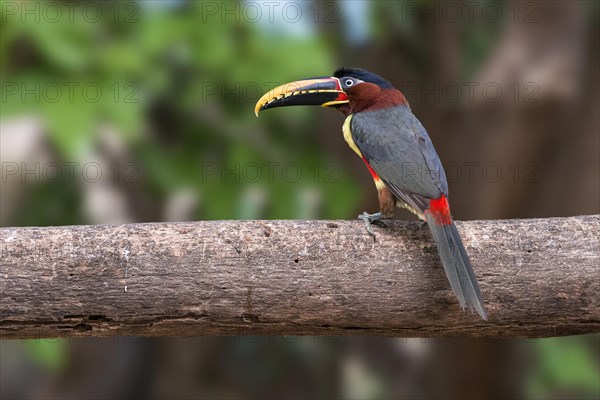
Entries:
{"x":381,"y":129}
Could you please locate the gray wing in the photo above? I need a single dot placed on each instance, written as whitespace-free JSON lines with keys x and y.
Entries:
{"x":399,"y":149}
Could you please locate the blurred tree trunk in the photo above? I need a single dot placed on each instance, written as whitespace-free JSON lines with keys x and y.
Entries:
{"x":546,"y":132}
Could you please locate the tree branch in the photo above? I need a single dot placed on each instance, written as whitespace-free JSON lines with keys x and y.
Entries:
{"x":539,"y":278}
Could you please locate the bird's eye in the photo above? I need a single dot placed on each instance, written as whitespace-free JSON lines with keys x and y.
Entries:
{"x":348,"y":82}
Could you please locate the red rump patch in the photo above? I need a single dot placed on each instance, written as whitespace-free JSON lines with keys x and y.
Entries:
{"x":371,"y":170}
{"x":440,"y":209}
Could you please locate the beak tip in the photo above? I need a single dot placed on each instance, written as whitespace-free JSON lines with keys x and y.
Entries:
{"x":258,"y":109}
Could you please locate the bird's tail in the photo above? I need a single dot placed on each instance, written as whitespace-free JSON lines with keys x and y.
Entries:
{"x":455,"y":261}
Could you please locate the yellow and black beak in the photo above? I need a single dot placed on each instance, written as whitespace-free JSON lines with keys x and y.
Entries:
{"x":316,"y":91}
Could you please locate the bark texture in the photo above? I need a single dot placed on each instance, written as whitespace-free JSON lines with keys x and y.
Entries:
{"x":538,"y":277}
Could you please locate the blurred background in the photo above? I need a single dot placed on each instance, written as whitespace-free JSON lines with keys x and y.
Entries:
{"x":115,"y":112}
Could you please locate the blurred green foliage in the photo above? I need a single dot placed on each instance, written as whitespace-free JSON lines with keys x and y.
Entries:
{"x":180,"y":94}
{"x":566,"y":368}
{"x":49,"y":354}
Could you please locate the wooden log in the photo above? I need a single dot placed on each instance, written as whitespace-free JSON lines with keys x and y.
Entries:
{"x":539,"y":278}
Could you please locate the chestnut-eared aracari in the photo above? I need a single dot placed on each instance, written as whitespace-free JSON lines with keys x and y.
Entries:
{"x":398,"y":153}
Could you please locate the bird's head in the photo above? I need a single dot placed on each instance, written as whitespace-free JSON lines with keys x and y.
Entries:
{"x":349,"y":90}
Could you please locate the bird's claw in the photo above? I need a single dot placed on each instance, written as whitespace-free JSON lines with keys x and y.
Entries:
{"x":371,"y":219}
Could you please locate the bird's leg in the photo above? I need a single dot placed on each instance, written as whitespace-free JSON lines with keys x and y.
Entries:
{"x":387,"y":205}
{"x":371,"y":219}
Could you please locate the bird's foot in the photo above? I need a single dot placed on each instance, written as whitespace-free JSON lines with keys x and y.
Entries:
{"x":372,"y":219}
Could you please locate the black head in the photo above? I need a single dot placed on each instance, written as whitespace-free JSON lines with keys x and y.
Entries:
{"x":363,"y":75}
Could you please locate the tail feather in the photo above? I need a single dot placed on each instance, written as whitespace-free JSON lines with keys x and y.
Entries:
{"x":456,"y":264}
